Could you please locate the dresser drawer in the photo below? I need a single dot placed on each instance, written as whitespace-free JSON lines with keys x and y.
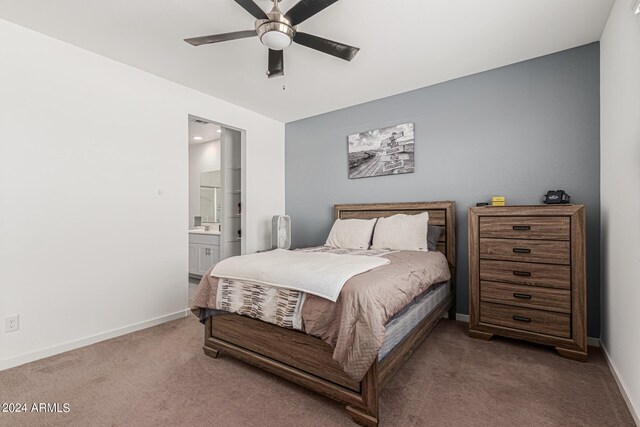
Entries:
{"x":526,"y":319}
{"x":526,"y":227}
{"x":549,"y":251}
{"x":546,"y":275}
{"x":558,"y":300}
{"x":205,"y":239}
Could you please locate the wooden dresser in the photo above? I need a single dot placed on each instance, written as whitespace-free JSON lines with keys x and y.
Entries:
{"x":527,"y":275}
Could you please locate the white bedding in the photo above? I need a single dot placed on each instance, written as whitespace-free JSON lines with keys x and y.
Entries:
{"x":316,"y":273}
{"x":351,"y":233}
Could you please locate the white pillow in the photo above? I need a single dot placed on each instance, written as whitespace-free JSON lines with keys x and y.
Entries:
{"x":351,"y":233}
{"x":402,"y":232}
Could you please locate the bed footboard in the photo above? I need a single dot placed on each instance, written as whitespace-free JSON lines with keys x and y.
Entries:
{"x":307,"y":361}
{"x":295,"y":356}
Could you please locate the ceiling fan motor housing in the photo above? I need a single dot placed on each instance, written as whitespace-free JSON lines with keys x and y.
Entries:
{"x":276,"y":32}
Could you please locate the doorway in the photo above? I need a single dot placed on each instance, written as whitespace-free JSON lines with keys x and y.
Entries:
{"x":216,"y":196}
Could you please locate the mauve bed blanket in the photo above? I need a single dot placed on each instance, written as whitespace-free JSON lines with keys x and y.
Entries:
{"x":354,"y":325}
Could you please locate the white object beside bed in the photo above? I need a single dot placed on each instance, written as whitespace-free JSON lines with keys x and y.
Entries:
{"x":281,"y":232}
{"x":321,"y":274}
{"x":402,"y":232}
{"x":351,"y":233}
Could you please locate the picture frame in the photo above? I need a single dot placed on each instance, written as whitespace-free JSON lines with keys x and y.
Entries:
{"x":380,"y":152}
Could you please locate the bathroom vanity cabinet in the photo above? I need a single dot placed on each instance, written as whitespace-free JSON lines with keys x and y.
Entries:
{"x":204,"y":251}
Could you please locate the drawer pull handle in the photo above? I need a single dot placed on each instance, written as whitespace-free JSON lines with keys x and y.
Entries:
{"x":522,"y":319}
{"x":522,"y":227}
{"x":522,"y":273}
{"x":521,"y":296}
{"x":521,"y":251}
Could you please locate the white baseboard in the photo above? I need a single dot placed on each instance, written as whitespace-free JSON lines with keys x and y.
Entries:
{"x":462,"y":317}
{"x":635,"y":412}
{"x":31,"y":356}
{"x":594,"y":342}
{"x":590,"y":340}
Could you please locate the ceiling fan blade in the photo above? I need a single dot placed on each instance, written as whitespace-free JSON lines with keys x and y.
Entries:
{"x":336,"y":49}
{"x":252,"y":8}
{"x":305,"y":9}
{"x":197,"y":41}
{"x":276,"y":63}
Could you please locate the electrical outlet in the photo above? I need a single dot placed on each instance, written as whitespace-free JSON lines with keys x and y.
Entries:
{"x":12,"y":323}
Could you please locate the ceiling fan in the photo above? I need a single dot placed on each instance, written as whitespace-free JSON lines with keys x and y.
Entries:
{"x":277,"y":30}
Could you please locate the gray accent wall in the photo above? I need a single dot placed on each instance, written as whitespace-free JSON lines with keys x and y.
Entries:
{"x":515,"y":131}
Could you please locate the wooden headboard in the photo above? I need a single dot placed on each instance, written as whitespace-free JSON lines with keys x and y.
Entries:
{"x":440,"y":213}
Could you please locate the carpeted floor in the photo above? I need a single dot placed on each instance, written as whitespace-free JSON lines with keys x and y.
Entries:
{"x":160,"y":377}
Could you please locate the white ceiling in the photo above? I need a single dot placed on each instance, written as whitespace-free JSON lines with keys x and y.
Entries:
{"x":206,"y":132}
{"x":405,"y":44}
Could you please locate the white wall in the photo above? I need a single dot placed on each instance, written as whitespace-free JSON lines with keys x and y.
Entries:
{"x":203,"y":157}
{"x":620,"y":190}
{"x":88,"y":249}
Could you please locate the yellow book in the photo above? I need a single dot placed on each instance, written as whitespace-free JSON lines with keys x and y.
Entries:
{"x":498,"y":201}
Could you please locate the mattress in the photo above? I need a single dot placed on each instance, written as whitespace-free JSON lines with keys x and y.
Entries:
{"x":398,"y":328}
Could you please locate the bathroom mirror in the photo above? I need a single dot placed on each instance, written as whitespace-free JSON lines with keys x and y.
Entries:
{"x":210,"y":196}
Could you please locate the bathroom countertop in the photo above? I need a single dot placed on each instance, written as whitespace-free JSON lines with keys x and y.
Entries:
{"x":210,"y":232}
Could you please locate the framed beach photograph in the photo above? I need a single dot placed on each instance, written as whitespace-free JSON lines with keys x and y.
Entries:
{"x":387,"y":151}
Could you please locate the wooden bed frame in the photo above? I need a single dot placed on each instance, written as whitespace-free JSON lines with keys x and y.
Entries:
{"x":306,"y":360}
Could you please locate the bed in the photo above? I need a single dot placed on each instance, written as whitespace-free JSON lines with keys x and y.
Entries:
{"x":308,"y":361}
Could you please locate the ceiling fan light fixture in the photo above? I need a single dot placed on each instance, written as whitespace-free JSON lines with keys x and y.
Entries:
{"x":276,"y":40}
{"x":275,"y":35}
